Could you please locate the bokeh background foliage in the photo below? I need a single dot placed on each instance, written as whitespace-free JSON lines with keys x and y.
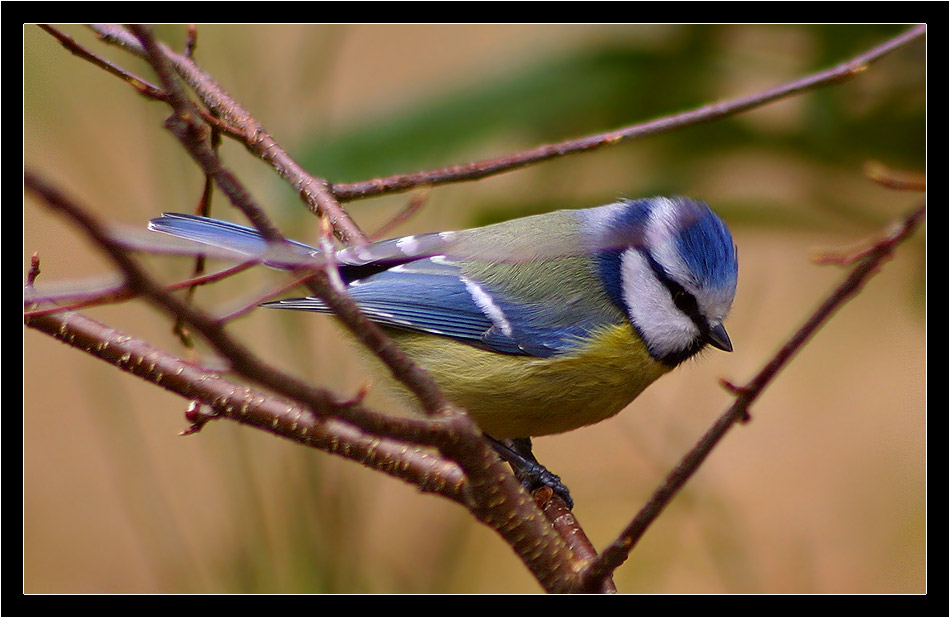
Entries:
{"x":823,"y":492}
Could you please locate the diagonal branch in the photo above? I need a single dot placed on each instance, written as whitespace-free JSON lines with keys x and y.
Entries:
{"x":615,"y":554}
{"x":707,"y":113}
{"x":184,"y":125}
{"x":242,"y":360}
{"x":492,"y":494}
{"x":315,"y":191}
{"x":262,"y":144}
{"x":489,"y":492}
{"x":278,"y":416}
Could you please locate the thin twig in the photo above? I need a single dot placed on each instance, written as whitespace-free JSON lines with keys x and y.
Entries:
{"x":714,"y":111}
{"x":184,"y":126}
{"x":315,"y":191}
{"x":415,"y":203}
{"x":614,"y":555}
{"x":142,"y":86}
{"x":204,"y":203}
{"x":226,"y":399}
{"x":215,"y":98}
{"x":895,"y":179}
{"x":492,"y":494}
{"x":242,"y":360}
{"x":321,"y":197}
{"x":117,"y":293}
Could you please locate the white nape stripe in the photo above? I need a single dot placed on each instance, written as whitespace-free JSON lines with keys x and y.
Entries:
{"x":488,"y":306}
{"x":661,"y":232}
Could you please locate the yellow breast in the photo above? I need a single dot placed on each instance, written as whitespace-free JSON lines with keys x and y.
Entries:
{"x":521,"y":396}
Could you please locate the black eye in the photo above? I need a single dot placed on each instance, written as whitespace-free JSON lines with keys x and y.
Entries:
{"x":683,"y":300}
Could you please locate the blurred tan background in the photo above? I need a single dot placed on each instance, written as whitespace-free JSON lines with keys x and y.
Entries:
{"x":823,"y":492}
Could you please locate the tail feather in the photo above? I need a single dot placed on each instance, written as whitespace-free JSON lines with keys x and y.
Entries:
{"x":226,"y":235}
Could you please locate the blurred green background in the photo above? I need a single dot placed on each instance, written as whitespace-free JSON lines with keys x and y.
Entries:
{"x":823,"y":492}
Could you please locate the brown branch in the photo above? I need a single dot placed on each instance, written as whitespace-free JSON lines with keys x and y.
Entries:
{"x":315,"y":191}
{"x":190,"y":133}
{"x":714,"y":111}
{"x":415,"y":203}
{"x":500,"y":500}
{"x":614,"y":555}
{"x":242,"y":360}
{"x":497,"y":498}
{"x":194,"y":136}
{"x":226,"y":399}
{"x":496,"y":503}
{"x":215,"y":98}
{"x":895,"y":179}
{"x":492,"y":494}
{"x":142,"y":86}
{"x":116,"y":293}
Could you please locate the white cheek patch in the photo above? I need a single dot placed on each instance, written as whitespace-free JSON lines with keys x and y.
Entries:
{"x":488,"y":306}
{"x":665,"y":328}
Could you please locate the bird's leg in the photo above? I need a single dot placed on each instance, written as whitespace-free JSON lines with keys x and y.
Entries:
{"x":517,"y":452}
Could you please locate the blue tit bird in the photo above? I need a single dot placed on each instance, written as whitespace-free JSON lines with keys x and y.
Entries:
{"x":541,"y":324}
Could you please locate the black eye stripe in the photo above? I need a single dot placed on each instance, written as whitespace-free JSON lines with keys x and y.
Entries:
{"x":683,"y":300}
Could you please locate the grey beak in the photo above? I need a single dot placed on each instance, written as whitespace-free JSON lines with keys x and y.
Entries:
{"x":719,"y":338}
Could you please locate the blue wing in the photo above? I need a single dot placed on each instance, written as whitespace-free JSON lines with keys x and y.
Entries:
{"x":433,"y":296}
{"x":410,"y":283}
